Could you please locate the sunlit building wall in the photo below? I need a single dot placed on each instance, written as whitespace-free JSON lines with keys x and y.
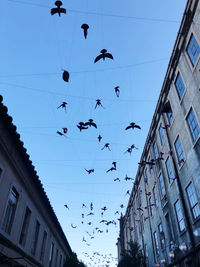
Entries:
{"x":163,"y":213}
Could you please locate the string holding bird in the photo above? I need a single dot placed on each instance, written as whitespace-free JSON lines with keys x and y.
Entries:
{"x":58,"y":9}
{"x":133,"y":125}
{"x":98,"y":104}
{"x":85,"y":28}
{"x":103,"y":55}
{"x":63,"y":105}
{"x":117,"y":91}
{"x":90,"y":123}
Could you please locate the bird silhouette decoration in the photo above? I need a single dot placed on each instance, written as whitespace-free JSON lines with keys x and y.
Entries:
{"x":90,"y":123}
{"x":99,"y":138}
{"x":132,"y":126}
{"x":89,"y":171}
{"x":65,"y":76}
{"x":98,"y":104}
{"x":117,"y":91}
{"x":85,"y":28}
{"x":103,"y":55}
{"x":58,"y":9}
{"x":63,"y":105}
{"x":81,"y":126}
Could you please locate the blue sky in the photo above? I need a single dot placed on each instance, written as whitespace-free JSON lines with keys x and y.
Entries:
{"x":35,"y":47}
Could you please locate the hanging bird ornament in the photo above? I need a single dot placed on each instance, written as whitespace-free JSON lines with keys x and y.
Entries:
{"x":85,"y":28}
{"x":65,"y":76}
{"x":103,"y":55}
{"x":58,"y":9}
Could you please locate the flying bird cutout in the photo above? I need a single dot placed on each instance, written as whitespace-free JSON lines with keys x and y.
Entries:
{"x":132,"y":126}
{"x":103,"y":55}
{"x":58,"y":9}
{"x":85,"y":28}
{"x":65,"y":76}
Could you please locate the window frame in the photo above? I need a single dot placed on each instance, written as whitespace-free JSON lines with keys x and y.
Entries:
{"x":181,"y":92}
{"x":168,"y":174}
{"x":197,"y":41}
{"x":24,"y":231}
{"x":182,"y":154}
{"x":189,"y":201}
{"x":34,"y":244}
{"x":160,"y":188}
{"x":156,"y":244}
{"x":155,"y":196}
{"x":155,"y":150}
{"x":5,"y":210}
{"x":161,"y":235}
{"x":177,"y":216}
{"x":189,"y":125}
{"x":43,"y":245}
{"x":162,"y":135}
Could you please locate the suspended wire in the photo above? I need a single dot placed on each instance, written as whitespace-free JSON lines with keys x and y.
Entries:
{"x":87,"y":71}
{"x":73,"y":96}
{"x":100,"y":14}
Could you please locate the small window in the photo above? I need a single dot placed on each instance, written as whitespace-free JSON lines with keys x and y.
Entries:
{"x":162,"y":236}
{"x":56,"y":259}
{"x":51,"y":254}
{"x":150,"y":206}
{"x":146,"y":176}
{"x":155,"y":150}
{"x":193,"y":201}
{"x":155,"y":196}
{"x":193,"y":50}
{"x":168,"y":110}
{"x":43,"y":246}
{"x":60,"y":263}
{"x":193,"y":125}
{"x":180,"y":87}
{"x":170,"y":116}
{"x":10,"y":211}
{"x":169,"y":169}
{"x":162,"y":137}
{"x":179,"y":151}
{"x":35,"y":238}
{"x":25,"y":226}
{"x":156,"y":243}
{"x":151,"y":164}
{"x":162,"y":186}
{"x":1,"y":172}
{"x":179,"y":216}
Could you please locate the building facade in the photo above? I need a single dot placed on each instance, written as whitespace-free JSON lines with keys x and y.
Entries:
{"x":30,"y":234}
{"x":163,"y":213}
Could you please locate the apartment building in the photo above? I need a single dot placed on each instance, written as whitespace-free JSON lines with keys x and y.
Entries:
{"x":163,"y":213}
{"x":30,"y":234}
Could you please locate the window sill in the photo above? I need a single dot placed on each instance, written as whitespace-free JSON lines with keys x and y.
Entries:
{"x":196,"y":220}
{"x":182,"y":232}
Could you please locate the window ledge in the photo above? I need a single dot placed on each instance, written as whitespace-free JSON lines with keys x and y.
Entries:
{"x":196,"y":220}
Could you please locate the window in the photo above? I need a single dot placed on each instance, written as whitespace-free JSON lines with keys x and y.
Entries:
{"x":169,"y":169}
{"x":51,"y":254}
{"x":35,"y":238}
{"x":10,"y":210}
{"x":56,"y":259}
{"x":162,"y":236}
{"x":179,"y":151}
{"x":170,"y":116}
{"x":155,"y":150}
{"x":193,"y":50}
{"x":156,"y":243}
{"x":193,"y":125}
{"x":155,"y":196}
{"x":150,"y":165}
{"x":162,"y":186}
{"x":1,"y":172}
{"x":44,"y":239}
{"x":146,"y":176}
{"x":60,"y":263}
{"x":193,"y":201}
{"x":24,"y":231}
{"x":180,"y":87}
{"x":162,"y":137}
{"x":169,"y":229}
{"x":179,"y":216}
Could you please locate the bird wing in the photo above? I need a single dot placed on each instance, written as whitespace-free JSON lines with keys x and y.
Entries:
{"x":87,"y":124}
{"x":128,"y":127}
{"x":63,"y":10}
{"x":94,"y":124}
{"x":54,"y":11}
{"x":137,"y":126}
{"x":66,"y":76}
{"x":108,"y":55}
{"x":98,"y":58}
